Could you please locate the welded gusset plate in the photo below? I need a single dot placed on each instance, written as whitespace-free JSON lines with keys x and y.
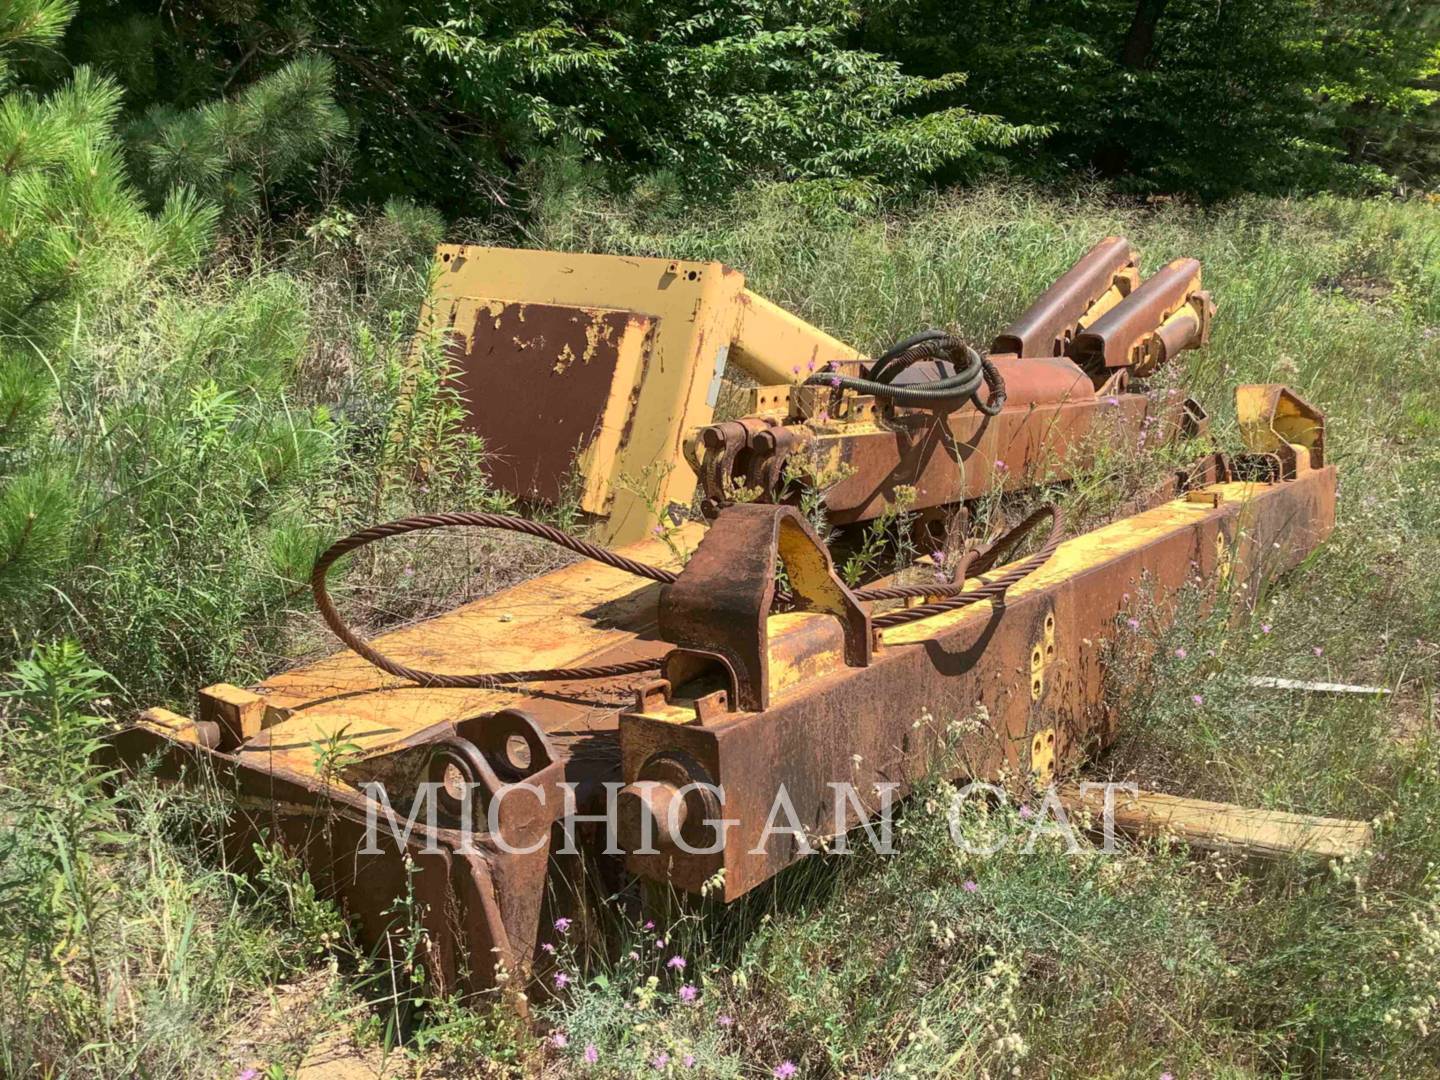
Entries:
{"x":717,"y":612}
{"x":1276,"y":420}
{"x":868,"y":727}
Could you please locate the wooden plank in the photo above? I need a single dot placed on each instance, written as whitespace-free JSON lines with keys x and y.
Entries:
{"x":1214,"y":826}
{"x":1265,"y":682}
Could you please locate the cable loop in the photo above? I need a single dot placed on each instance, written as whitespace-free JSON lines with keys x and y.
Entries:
{"x":956,"y":595}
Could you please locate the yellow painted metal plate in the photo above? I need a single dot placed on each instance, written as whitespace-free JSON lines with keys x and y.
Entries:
{"x":690,"y":311}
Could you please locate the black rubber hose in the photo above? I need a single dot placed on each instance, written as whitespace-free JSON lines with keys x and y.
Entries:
{"x":971,"y":370}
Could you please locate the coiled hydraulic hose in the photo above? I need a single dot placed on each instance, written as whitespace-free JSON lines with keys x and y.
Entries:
{"x":955,"y":596}
{"x":971,"y":369}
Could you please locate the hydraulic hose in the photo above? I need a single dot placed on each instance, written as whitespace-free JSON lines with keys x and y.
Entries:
{"x":971,"y":370}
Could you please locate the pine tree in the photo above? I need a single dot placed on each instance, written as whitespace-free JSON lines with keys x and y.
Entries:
{"x":70,"y":226}
{"x":239,"y":151}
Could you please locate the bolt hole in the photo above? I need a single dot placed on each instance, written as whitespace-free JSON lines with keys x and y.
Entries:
{"x":517,"y":753}
{"x":1050,"y":739}
{"x":454,"y":782}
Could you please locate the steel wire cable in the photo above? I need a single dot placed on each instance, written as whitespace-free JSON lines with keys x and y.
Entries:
{"x":955,"y":596}
{"x":474,"y":520}
{"x":990,"y":590}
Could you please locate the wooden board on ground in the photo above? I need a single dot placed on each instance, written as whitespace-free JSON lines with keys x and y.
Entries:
{"x":1214,"y":826}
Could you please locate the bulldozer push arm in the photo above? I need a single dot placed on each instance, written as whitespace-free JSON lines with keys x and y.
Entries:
{"x":718,"y":688}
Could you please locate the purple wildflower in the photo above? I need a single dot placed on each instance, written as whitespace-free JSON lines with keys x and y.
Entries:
{"x":1026,"y":813}
{"x":1264,"y":628}
{"x":688,"y":1061}
{"x":248,"y":1074}
{"x":676,"y":963}
{"x":688,"y":992}
{"x":1133,"y":624}
{"x":1318,"y":651}
{"x":835,"y":381}
{"x":1197,"y":699}
{"x":562,"y":924}
{"x":725,"y":1021}
{"x":548,"y":947}
{"x":785,"y":1070}
{"x":592,"y":1055}
{"x":1180,"y":653}
{"x":562,"y":980}
{"x":649,"y":925}
{"x":661,"y":1060}
{"x":559,"y":1040}
{"x":970,"y":886}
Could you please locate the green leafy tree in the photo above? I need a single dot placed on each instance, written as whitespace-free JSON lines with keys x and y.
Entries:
{"x":449,"y":100}
{"x":1188,"y":95}
{"x":714,"y":92}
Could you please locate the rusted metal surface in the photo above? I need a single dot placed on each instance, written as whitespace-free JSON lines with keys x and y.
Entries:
{"x":717,"y":613}
{"x":1167,"y":313}
{"x":1050,"y":431}
{"x":525,"y":369}
{"x":481,"y":906}
{"x":860,"y":450}
{"x":776,"y":675}
{"x":1100,"y":279}
{"x":828,"y":718}
{"x":474,"y":519}
{"x":867,"y":726}
{"x":586,"y":373}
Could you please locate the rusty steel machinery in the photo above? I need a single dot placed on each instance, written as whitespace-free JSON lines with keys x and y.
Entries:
{"x":679,"y":682}
{"x":1065,"y":367}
